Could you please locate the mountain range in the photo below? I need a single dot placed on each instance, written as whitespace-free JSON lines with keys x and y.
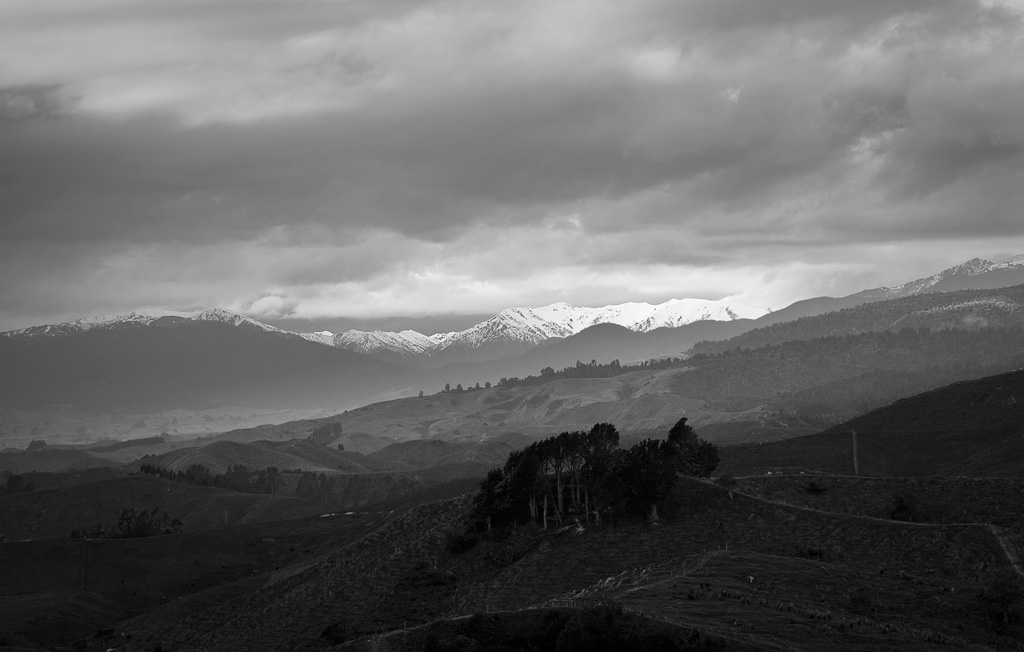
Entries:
{"x":521,"y":328}
{"x":145,"y":367}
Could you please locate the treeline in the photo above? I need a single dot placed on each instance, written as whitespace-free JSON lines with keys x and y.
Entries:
{"x":315,"y":485}
{"x":238,"y":477}
{"x":132,"y":524}
{"x":585,"y":475}
{"x":16,"y":484}
{"x":592,"y":369}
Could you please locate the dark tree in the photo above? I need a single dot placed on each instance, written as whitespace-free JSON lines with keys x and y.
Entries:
{"x":693,"y":455}
{"x":647,"y":473}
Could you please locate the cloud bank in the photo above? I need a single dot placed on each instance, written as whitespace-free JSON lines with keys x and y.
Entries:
{"x":320,"y":158}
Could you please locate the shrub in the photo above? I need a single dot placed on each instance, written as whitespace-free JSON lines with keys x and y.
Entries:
{"x":815,"y":489}
{"x":904,"y":508}
{"x":1003,"y":602}
{"x":459,"y":542}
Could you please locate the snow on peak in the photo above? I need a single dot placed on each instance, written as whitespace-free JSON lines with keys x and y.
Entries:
{"x":408,"y":342}
{"x":679,"y":312}
{"x":320,"y":337}
{"x":233,"y":318}
{"x":973,"y":267}
{"x":534,"y":325}
{"x":114,"y":320}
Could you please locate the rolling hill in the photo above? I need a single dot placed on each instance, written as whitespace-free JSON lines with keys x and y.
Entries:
{"x":964,"y":309}
{"x":743,"y":394}
{"x":298,"y":454}
{"x":970,"y":428}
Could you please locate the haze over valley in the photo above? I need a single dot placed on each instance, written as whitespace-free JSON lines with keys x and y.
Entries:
{"x":341,"y":325}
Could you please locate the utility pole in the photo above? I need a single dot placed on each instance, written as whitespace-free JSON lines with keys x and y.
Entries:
{"x":82,"y":555}
{"x":856,"y":466}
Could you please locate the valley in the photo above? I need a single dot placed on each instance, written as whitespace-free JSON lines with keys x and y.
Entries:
{"x":865,"y":494}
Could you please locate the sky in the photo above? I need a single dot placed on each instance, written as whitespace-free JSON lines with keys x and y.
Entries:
{"x":384,"y":162}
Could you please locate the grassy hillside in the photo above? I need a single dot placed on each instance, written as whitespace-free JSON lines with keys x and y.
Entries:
{"x":929,"y":500}
{"x":737,"y":567}
{"x":759,"y":395}
{"x":60,"y":590}
{"x":970,"y":428}
{"x":965,"y":309}
{"x":50,"y":460}
{"x":300,"y":454}
{"x":54,"y":511}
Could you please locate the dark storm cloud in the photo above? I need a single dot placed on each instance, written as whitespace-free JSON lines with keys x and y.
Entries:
{"x":27,"y":103}
{"x":282,"y":149}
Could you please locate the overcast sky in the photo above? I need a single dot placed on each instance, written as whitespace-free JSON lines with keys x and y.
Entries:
{"x":325,"y":161}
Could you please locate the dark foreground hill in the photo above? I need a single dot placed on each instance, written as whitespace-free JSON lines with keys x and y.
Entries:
{"x":66,"y":505}
{"x":739,"y":571}
{"x":969,"y":428}
{"x":58,"y":591}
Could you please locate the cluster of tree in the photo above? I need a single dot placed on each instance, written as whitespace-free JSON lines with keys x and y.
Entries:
{"x":586,"y":474}
{"x":238,"y":477}
{"x":16,"y":484}
{"x":592,"y":369}
{"x":132,"y":524}
{"x":314,"y":485}
{"x":459,"y":389}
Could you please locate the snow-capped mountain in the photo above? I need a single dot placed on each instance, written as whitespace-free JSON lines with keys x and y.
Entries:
{"x":404,"y":344}
{"x":521,"y":328}
{"x":235,"y":319}
{"x":974,"y":274}
{"x":515,"y":330}
{"x":139,"y":318}
{"x":134,"y":318}
{"x":972,"y":267}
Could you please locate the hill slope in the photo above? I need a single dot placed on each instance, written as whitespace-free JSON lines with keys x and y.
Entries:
{"x":56,"y":511}
{"x":299,"y":454}
{"x":965,"y":309}
{"x":760,"y":394}
{"x":971,"y":428}
{"x":739,"y":567}
{"x":171,"y":363}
